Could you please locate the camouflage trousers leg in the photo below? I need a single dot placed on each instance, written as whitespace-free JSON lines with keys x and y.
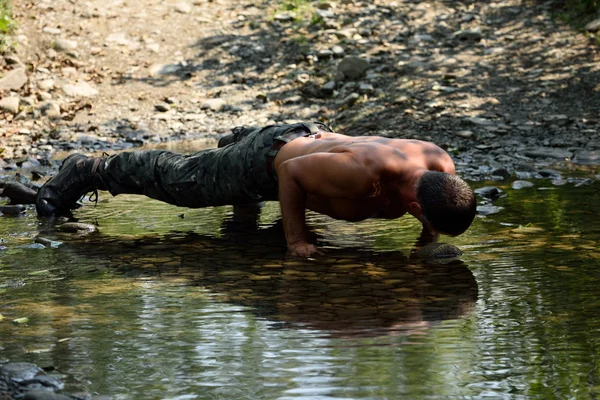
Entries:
{"x":144,"y":172}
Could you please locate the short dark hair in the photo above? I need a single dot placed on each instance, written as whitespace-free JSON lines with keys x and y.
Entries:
{"x":448,"y":203}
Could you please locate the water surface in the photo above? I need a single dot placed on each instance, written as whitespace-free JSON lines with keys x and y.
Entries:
{"x":183,"y":304}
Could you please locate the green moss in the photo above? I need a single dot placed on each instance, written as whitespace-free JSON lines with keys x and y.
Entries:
{"x":6,"y":24}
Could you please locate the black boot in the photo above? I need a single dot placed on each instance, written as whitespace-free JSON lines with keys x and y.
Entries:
{"x":77,"y":176}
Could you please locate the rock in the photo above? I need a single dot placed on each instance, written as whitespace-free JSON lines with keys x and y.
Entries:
{"x":365,"y":88}
{"x":518,"y":185}
{"x":13,"y":80}
{"x":51,"y":31}
{"x":349,"y":100}
{"x":162,"y":107}
{"x":183,"y":8}
{"x":501,"y":172}
{"x":284,"y":17}
{"x":593,"y":26}
{"x":325,"y":53}
{"x":47,"y":242}
{"x":438,"y":251}
{"x":217,"y":104}
{"x":488,"y":209}
{"x":338,"y":51}
{"x":41,"y":394}
{"x":19,"y":193}
{"x":164,"y":69}
{"x":65,"y":45}
{"x":549,"y":173}
{"x":76,"y":227}
{"x":585,"y":157}
{"x":547,"y":152}
{"x":10,"y":104}
{"x":81,"y":89}
{"x":16,"y":209}
{"x":465,"y":134}
{"x":329,"y":88}
{"x":471,"y":35}
{"x":352,"y":68}
{"x":489,"y":192}
{"x":46,"y":84}
{"x":50,"y":110}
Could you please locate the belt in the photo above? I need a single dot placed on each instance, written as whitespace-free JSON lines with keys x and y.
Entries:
{"x":277,"y":144}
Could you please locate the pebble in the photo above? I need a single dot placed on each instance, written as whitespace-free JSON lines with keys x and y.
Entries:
{"x":489,"y":192}
{"x":488,"y":209}
{"x":16,"y":209}
{"x":13,"y":80}
{"x":65,"y":45}
{"x":338,"y":51}
{"x":217,"y":104}
{"x":50,"y":109}
{"x":518,"y":185}
{"x":593,"y":26}
{"x":76,"y":227}
{"x":349,"y":100}
{"x":548,"y":152}
{"x":162,"y":107}
{"x":80,"y":89}
{"x":183,"y":8}
{"x":465,"y":134}
{"x":352,"y":68}
{"x":10,"y":104}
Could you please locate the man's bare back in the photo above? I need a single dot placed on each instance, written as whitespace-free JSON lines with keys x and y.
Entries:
{"x":350,"y":178}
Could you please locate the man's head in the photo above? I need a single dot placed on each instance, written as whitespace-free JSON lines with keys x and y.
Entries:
{"x":446,"y":202}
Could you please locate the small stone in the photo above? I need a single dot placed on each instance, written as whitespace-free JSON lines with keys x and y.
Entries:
{"x":284,"y":17}
{"x":81,"y":89}
{"x":13,"y":80}
{"x":465,"y":134}
{"x":489,"y":192}
{"x":549,"y":173}
{"x":547,"y":152}
{"x":350,"y":100}
{"x":46,"y":84}
{"x":593,"y":26}
{"x":585,"y":157}
{"x":51,"y":31}
{"x":10,"y":104}
{"x":352,"y":67}
{"x":213,"y":104}
{"x":338,"y":51}
{"x":365,"y":88}
{"x":325,"y":53}
{"x":488,"y":209}
{"x":65,"y":45}
{"x":50,"y":110}
{"x":518,"y":185}
{"x":329,"y":87}
{"x":183,"y":8}
{"x":43,"y":96}
{"x":471,"y":35}
{"x":162,"y":107}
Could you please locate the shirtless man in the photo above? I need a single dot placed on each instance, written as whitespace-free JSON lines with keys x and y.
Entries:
{"x":304,"y":166}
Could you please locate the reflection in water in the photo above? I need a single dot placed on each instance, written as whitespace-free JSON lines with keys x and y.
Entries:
{"x":348,"y":292}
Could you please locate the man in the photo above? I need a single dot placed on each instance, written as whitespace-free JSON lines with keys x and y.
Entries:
{"x":304,"y":166}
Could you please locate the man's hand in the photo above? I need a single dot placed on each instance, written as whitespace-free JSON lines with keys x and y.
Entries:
{"x":303,"y":249}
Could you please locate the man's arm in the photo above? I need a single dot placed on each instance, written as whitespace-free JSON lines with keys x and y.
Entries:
{"x":324,"y":175}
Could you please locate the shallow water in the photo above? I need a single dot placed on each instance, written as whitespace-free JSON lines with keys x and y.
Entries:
{"x":181,"y":304}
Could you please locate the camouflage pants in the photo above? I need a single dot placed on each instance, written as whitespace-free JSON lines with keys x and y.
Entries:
{"x":235,"y":174}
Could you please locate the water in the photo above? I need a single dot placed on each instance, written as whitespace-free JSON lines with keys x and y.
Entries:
{"x":178,"y":304}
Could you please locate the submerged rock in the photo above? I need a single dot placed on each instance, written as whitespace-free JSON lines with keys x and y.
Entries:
{"x":75,"y":227}
{"x":438,"y":251}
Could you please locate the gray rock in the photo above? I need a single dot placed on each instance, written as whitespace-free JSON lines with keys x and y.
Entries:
{"x":162,"y":107}
{"x":488,"y":209}
{"x":547,"y":152}
{"x":329,"y":87}
{"x":52,"y":31}
{"x":50,"y":110}
{"x":164,"y":69}
{"x":518,"y":185}
{"x":10,"y":104}
{"x":325,"y":53}
{"x":549,"y":173}
{"x":585,"y":157}
{"x":365,"y":88}
{"x":593,"y":26}
{"x":501,"y":172}
{"x":284,"y":17}
{"x":13,"y":80}
{"x":352,"y":68}
{"x":213,"y":104}
{"x":472,"y":35}
{"x":65,"y":44}
{"x":489,"y":192}
{"x":183,"y":7}
{"x":465,"y":134}
{"x":46,"y":84}
{"x":349,"y":100}
{"x":338,"y":51}
{"x":80,"y":89}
